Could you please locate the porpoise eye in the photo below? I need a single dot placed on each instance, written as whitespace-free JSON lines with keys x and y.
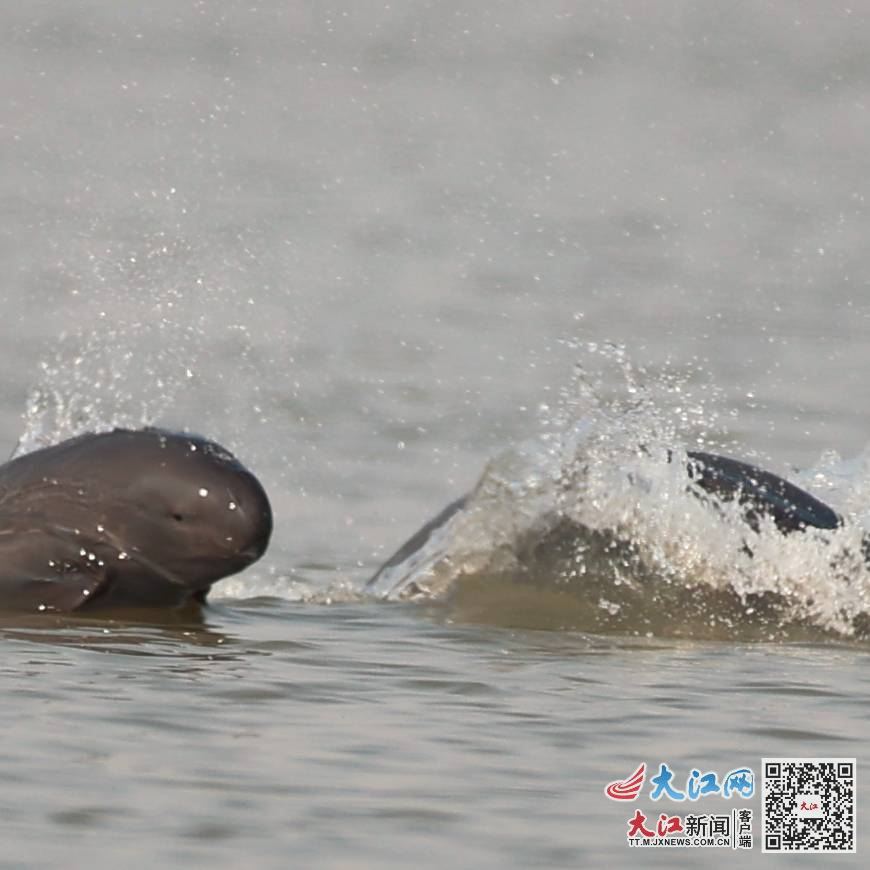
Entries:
{"x":178,"y":517}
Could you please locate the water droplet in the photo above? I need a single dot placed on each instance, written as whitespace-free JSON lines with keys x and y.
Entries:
{"x":203,"y":492}
{"x":232,"y":505}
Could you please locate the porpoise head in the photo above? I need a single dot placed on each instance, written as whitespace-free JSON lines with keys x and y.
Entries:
{"x":187,"y":507}
{"x":164,"y":514}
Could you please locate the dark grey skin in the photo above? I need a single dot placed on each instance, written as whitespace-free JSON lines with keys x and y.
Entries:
{"x":130,"y":519}
{"x":758,"y":492}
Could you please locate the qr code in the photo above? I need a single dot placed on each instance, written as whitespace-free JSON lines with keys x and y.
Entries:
{"x":808,"y":804}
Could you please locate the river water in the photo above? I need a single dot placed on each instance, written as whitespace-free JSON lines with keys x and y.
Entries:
{"x":370,"y":247}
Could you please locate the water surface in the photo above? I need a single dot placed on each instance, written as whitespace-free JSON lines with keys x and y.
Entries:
{"x":366,"y":247}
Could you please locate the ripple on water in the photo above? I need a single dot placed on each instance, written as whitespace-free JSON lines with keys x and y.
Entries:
{"x":389,"y":726}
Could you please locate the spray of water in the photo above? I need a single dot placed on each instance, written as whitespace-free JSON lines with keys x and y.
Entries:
{"x":596,"y":525}
{"x":146,"y":330}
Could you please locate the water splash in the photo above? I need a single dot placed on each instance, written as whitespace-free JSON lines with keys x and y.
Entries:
{"x":595,"y":525}
{"x":141,"y":323}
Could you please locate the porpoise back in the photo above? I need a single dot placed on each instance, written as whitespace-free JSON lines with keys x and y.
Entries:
{"x":759,"y":494}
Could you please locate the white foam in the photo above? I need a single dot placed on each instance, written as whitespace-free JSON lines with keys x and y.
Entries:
{"x":609,"y":472}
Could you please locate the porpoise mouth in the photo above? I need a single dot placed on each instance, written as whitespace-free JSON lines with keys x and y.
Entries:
{"x":251,"y":553}
{"x":136,"y":556}
{"x":235,"y":560}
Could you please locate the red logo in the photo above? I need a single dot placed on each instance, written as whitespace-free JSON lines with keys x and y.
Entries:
{"x":628,"y":790}
{"x":666,"y":825}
